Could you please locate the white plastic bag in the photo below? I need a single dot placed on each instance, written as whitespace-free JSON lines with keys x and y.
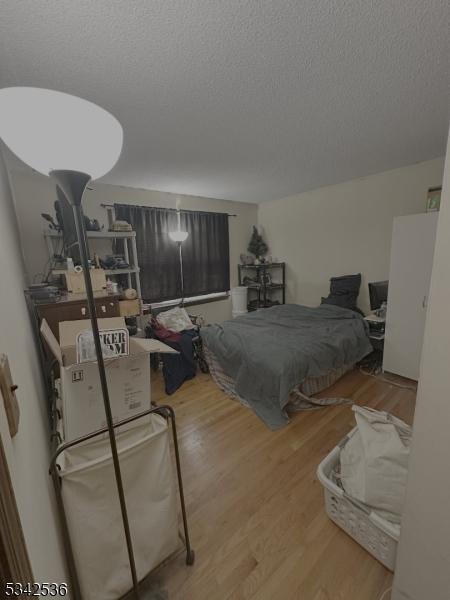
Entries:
{"x":175,"y":319}
{"x":374,"y":462}
{"x":93,"y":513}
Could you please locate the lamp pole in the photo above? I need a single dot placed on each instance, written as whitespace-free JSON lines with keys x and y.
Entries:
{"x":179,"y":237}
{"x":180,"y":253}
{"x":73,"y":184}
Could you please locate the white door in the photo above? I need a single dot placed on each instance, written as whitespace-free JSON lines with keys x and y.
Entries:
{"x":412,"y":251}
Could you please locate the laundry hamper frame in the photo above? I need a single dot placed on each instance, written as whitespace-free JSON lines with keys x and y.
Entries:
{"x":164,"y":411}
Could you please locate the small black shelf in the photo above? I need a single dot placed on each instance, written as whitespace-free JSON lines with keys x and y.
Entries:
{"x":269,"y":286}
{"x":263,"y":265}
{"x":262,"y":286}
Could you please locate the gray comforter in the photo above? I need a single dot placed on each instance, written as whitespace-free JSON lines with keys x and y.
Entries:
{"x":270,"y":351}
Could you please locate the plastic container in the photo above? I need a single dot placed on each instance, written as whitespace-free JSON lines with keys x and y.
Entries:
{"x":377,"y":535}
{"x":239,"y":299}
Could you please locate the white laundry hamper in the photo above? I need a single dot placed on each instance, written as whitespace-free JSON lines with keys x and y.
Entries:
{"x":239,"y":300}
{"x":377,"y":535}
{"x":91,"y":503}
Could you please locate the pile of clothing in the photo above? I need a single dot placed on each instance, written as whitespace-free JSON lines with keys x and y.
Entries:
{"x":374,"y":462}
{"x":175,"y":328}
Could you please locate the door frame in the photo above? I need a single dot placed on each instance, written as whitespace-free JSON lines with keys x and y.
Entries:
{"x":15,"y":566}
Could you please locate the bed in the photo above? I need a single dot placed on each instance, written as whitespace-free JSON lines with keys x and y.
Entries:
{"x":270,"y":358}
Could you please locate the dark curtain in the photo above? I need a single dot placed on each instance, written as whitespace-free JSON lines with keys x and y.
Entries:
{"x":206,"y":252}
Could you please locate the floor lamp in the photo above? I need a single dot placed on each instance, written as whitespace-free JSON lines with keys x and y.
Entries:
{"x":179,"y":237}
{"x":73,"y":141}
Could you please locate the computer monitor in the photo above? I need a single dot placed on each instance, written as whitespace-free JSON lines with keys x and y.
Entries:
{"x":378,"y":293}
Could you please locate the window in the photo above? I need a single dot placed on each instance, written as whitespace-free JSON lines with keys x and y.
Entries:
{"x":206,"y":252}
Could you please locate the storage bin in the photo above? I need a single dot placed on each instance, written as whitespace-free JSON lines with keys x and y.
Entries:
{"x":377,"y":535}
{"x":89,"y":494}
{"x":75,"y":281}
{"x":239,"y":299}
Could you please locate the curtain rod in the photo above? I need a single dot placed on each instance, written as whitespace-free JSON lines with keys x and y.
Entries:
{"x":185,"y":210}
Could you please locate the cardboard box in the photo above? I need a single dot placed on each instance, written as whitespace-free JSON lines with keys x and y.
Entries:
{"x":75,"y":281}
{"x":130,"y":308}
{"x":128,"y":378}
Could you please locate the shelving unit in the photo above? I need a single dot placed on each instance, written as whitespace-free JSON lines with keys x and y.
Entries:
{"x":262,"y":287}
{"x":129,"y":250}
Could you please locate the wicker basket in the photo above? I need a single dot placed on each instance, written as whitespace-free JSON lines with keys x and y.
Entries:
{"x":372,"y":532}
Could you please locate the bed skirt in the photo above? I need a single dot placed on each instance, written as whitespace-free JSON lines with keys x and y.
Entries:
{"x":303,"y":391}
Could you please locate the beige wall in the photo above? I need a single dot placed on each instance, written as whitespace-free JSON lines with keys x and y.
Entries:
{"x":28,"y":452}
{"x":335,"y":230}
{"x":35,"y":194}
{"x":423,"y":564}
{"x":343,"y":229}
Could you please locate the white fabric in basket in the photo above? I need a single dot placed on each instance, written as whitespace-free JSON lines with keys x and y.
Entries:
{"x":374,"y":462}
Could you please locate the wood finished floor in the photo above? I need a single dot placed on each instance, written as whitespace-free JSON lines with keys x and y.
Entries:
{"x":255,"y":508}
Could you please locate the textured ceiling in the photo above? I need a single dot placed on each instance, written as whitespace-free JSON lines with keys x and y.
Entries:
{"x":245,"y":99}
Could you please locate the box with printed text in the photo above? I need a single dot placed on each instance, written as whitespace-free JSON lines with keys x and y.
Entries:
{"x":128,"y":376}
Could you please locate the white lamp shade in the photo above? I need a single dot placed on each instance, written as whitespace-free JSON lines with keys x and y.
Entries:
{"x":178,"y":236}
{"x":50,"y":130}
